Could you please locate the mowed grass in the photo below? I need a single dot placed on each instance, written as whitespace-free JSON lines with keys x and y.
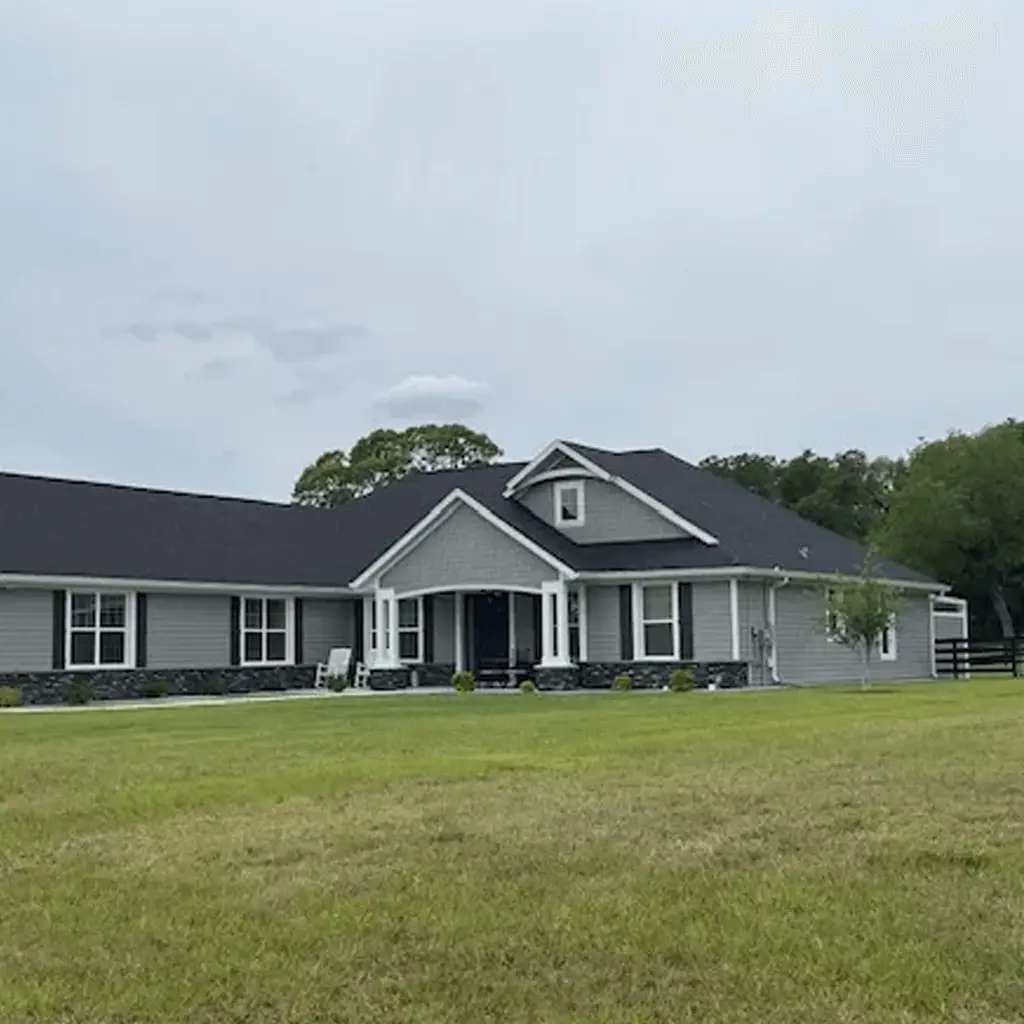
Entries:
{"x":821,"y":855}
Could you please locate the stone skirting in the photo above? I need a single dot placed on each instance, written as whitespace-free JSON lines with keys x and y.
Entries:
{"x":133,"y":684}
{"x":438,"y":674}
{"x":653,"y":675}
{"x":567,"y":678}
{"x":399,"y":678}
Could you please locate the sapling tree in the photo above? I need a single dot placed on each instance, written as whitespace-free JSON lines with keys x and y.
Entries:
{"x":858,"y":612}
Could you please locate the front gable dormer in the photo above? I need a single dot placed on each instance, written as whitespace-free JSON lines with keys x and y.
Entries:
{"x":590,"y":504}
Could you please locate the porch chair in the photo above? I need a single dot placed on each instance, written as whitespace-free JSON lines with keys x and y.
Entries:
{"x":339,"y":660}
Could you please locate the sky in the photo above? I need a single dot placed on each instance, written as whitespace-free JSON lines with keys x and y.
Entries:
{"x":237,"y":233}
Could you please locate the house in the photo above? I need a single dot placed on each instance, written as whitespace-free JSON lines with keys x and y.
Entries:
{"x":573,"y":568}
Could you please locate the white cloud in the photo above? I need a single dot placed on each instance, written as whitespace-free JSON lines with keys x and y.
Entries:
{"x":431,"y":397}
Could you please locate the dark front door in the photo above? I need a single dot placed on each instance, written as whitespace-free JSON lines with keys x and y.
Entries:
{"x":490,"y":634}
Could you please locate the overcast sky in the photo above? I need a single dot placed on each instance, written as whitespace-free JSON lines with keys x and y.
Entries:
{"x":236,"y":233}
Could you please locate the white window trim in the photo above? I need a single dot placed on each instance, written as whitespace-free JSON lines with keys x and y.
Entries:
{"x":289,"y":630}
{"x":418,"y":630}
{"x":562,"y":488}
{"x":639,"y":651}
{"x":130,"y":644}
{"x":893,"y":653}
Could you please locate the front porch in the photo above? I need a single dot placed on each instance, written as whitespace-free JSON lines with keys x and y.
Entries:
{"x":564,"y":637}
{"x":501,"y":635}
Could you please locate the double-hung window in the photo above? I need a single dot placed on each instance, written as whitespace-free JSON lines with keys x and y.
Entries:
{"x":410,"y":629}
{"x":569,"y":504}
{"x":265,"y":631}
{"x":658,"y":633}
{"x":99,"y":633}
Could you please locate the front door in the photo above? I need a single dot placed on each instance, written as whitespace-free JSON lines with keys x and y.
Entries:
{"x":489,"y":617}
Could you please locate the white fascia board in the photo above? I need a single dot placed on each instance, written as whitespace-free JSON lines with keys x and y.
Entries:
{"x":434,"y":518}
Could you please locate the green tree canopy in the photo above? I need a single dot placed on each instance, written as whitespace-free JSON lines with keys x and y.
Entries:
{"x":958,"y":515}
{"x":384,"y":456}
{"x":847,"y":493}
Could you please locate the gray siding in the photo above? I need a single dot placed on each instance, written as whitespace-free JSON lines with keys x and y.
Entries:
{"x":444,"y":629}
{"x":712,"y":621}
{"x":603,"y":628}
{"x":949,"y":627}
{"x":188,"y":630}
{"x":326,"y":623}
{"x":609,"y":514}
{"x":465,"y":550}
{"x":26,"y":630}
{"x":806,"y":656}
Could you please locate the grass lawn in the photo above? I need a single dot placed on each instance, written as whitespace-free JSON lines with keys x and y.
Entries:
{"x":823,"y":855}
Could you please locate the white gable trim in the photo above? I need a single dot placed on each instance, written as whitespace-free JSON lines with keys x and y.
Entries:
{"x":593,"y":469}
{"x":437,"y":515}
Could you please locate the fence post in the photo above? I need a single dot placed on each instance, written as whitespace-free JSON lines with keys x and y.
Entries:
{"x":955,"y":647}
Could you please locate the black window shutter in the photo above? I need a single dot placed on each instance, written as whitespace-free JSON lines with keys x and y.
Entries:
{"x":59,"y":624}
{"x":299,"y":637}
{"x":428,"y":629}
{"x":235,"y":626}
{"x":626,"y":622}
{"x":141,"y":631}
{"x":358,"y":641}
{"x":538,"y":627}
{"x":686,"y":621}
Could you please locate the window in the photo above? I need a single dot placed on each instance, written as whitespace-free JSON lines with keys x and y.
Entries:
{"x":265,"y":631}
{"x":887,"y":642}
{"x":410,"y":629}
{"x":569,"y":503}
{"x":98,"y":633}
{"x":658,"y":620}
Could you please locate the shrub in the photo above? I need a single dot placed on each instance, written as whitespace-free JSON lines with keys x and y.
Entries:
{"x":464,"y":682}
{"x":153,"y":689}
{"x":527,"y":686}
{"x":622,"y":683}
{"x":216,"y":687}
{"x":9,"y":697}
{"x":338,"y":683}
{"x":681,"y":680}
{"x":79,"y":692}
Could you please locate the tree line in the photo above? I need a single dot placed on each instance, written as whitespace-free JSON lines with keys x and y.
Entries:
{"x":951,"y":508}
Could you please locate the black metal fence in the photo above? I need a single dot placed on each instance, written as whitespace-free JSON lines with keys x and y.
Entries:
{"x":958,"y":657}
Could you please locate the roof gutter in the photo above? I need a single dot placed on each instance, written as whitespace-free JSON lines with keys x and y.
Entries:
{"x":728,"y":572}
{"x":29,"y":581}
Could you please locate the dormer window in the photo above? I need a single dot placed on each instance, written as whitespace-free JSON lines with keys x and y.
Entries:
{"x":569,"y":510}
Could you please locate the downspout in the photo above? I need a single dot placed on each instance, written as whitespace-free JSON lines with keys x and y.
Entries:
{"x":773,"y":626}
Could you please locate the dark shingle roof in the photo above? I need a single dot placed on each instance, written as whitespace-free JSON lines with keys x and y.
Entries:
{"x":72,"y":528}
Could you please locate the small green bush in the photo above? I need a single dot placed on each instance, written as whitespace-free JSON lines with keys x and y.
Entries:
{"x":527,"y":686}
{"x":338,"y":683}
{"x":216,"y":687}
{"x":79,"y":692}
{"x":464,"y":682}
{"x":622,"y":683}
{"x":154,"y":689}
{"x":681,"y":680}
{"x":9,"y":697}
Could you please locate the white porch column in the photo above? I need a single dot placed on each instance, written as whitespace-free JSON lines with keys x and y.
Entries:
{"x":460,"y":631}
{"x":554,"y":625}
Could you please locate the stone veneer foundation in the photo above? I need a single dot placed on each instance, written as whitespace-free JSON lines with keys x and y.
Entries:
{"x":132,"y":684}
